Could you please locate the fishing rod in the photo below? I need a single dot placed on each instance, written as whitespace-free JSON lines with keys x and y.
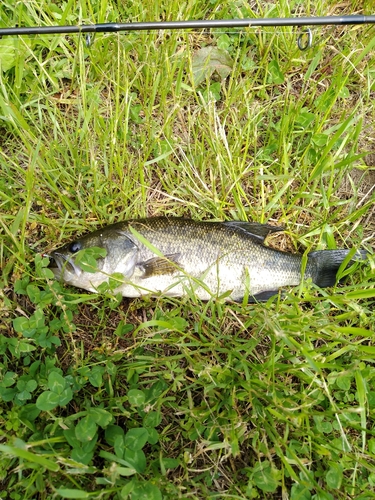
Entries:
{"x":184,"y":25}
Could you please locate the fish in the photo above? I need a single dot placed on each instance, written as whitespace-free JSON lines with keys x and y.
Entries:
{"x":174,"y":257}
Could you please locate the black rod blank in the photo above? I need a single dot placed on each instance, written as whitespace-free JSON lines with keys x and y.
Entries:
{"x":182,"y":25}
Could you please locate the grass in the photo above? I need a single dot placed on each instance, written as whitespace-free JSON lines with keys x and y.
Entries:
{"x":173,"y":398}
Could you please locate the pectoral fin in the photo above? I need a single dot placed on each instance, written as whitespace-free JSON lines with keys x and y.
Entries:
{"x":158,"y":266}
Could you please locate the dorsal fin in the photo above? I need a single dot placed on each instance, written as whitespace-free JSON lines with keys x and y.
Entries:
{"x":255,"y":229}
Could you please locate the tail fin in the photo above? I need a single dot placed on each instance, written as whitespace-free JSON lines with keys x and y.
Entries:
{"x":322,"y":265}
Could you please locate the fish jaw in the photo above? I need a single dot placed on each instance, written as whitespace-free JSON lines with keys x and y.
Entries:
{"x":64,"y":268}
{"x":71,"y":274}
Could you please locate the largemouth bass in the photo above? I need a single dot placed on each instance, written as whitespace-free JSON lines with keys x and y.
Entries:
{"x":174,"y":257}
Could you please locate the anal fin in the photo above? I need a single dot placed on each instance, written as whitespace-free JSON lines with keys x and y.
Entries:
{"x":262,"y":296}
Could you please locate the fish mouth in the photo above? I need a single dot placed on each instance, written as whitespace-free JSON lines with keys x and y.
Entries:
{"x":61,"y":264}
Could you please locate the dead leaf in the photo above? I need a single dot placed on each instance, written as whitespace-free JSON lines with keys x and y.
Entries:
{"x":209,"y":60}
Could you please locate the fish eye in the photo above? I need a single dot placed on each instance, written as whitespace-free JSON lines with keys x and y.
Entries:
{"x":75,"y":247}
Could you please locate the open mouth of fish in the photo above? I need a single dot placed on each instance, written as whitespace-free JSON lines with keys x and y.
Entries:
{"x":59,"y":264}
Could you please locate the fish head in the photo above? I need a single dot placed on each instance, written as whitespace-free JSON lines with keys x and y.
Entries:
{"x":120,"y":256}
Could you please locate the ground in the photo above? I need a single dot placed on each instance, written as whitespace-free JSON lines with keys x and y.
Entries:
{"x":105,"y":397}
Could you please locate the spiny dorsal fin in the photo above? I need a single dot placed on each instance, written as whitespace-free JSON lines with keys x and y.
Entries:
{"x":256,"y":229}
{"x":160,"y":265}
